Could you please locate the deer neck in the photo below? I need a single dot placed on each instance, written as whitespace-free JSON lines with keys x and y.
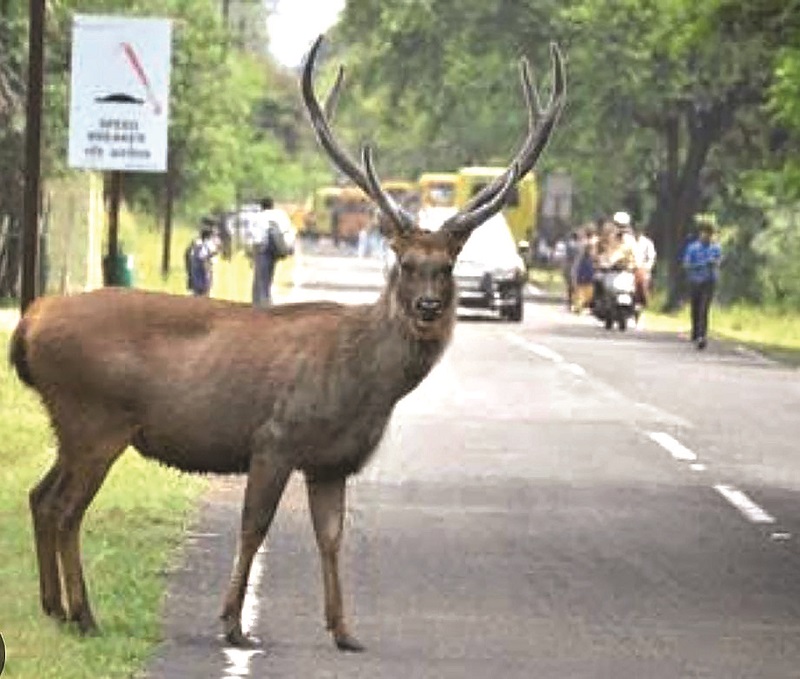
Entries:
{"x":401,"y":349}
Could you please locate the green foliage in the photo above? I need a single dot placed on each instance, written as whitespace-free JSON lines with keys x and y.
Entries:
{"x":235,"y":123}
{"x":131,"y":537}
{"x":779,"y":246}
{"x":674,"y":107}
{"x":666,"y":110}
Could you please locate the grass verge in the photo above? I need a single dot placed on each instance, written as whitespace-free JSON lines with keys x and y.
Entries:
{"x":773,"y":332}
{"x":548,"y":280}
{"x":131,"y":536}
{"x":232,"y":278}
{"x":133,"y":530}
{"x":770,"y":331}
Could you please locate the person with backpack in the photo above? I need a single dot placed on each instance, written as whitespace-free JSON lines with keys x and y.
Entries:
{"x":199,"y":261}
{"x":268,"y":245}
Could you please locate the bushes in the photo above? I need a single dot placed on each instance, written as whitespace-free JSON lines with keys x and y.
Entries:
{"x":779,"y":249}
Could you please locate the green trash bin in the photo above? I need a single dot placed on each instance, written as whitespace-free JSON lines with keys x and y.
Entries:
{"x":121,"y":275}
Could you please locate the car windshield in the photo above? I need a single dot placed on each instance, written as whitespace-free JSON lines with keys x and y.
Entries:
{"x":491,"y":244}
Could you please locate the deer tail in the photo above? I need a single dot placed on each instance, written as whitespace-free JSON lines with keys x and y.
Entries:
{"x":17,"y":352}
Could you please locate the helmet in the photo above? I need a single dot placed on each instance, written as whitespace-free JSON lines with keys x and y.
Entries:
{"x":622,"y":219}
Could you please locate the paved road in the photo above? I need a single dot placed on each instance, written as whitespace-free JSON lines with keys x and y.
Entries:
{"x":555,"y":501}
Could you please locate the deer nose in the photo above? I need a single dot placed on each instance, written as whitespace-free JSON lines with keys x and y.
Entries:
{"x":429,"y":308}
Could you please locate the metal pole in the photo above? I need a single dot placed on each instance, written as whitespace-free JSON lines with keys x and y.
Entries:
{"x":33,"y":130}
{"x":169,"y":203}
{"x":114,"y":197}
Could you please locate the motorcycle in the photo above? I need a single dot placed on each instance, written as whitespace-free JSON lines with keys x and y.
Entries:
{"x":616,"y":301}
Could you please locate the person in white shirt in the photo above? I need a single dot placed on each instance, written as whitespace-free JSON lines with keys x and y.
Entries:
{"x":263,"y":259}
{"x":645,"y":256}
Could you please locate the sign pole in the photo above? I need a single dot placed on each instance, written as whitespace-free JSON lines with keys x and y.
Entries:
{"x":114,"y":199}
{"x":33,"y":132}
{"x":169,"y":201}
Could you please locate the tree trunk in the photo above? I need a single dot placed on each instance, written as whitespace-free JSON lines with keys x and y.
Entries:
{"x":169,"y":201}
{"x":679,"y":197}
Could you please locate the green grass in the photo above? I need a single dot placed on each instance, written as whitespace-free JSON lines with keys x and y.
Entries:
{"x":133,"y":530}
{"x":232,"y":279}
{"x":773,"y":332}
{"x":546,"y":279}
{"x":131,"y":536}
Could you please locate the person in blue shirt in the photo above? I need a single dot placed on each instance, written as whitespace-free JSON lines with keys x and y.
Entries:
{"x":701,"y":262}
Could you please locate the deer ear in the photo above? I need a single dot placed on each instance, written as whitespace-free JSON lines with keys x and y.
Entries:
{"x":455,"y":242}
{"x":400,"y":241}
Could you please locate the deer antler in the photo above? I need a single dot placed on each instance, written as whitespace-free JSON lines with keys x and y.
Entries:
{"x":541,"y":122}
{"x":367,"y":182}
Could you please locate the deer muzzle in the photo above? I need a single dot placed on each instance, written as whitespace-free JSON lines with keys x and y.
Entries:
{"x":429,"y":308}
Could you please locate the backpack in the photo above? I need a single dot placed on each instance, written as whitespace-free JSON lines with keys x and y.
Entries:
{"x":277,"y":242}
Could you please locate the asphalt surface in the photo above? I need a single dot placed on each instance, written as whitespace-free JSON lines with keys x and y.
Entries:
{"x":554,"y":501}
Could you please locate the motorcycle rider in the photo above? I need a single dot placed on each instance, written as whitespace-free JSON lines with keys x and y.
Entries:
{"x":615,"y":251}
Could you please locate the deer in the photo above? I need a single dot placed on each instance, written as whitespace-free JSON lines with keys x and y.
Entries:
{"x":310,"y":388}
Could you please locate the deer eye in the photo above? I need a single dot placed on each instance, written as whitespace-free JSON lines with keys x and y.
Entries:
{"x":407,"y":268}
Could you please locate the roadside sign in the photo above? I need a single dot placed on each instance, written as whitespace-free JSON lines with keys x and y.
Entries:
{"x":557,"y":202}
{"x":119,"y":96}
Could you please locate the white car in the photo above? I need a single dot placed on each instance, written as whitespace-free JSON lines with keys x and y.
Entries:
{"x":489,"y":272}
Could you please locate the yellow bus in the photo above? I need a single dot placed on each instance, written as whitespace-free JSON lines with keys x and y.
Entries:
{"x":354,"y":213}
{"x":521,"y":205}
{"x":437,"y":189}
{"x":404,"y":192}
{"x":319,"y":208}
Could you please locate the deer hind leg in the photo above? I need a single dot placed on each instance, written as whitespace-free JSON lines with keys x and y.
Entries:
{"x":85,"y":460}
{"x":82,"y":486}
{"x":265,"y":484}
{"x":326,"y":500}
{"x":44,"y":532}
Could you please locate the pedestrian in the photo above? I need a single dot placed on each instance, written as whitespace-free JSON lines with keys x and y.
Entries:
{"x":644,"y":252}
{"x":701,"y":262}
{"x":679,"y":292}
{"x":583,"y":270}
{"x":261,"y":253}
{"x":199,"y":260}
{"x":573,"y":250}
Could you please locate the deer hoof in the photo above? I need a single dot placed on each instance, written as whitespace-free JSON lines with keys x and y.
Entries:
{"x":55,"y":611}
{"x":346,"y":642}
{"x":235,"y":637}
{"x":85,"y":623}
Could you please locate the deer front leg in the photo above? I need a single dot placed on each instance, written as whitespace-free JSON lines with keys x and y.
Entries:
{"x":265,"y":485}
{"x":326,"y":500}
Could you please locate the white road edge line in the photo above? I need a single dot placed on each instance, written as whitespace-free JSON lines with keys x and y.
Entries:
{"x":239,"y":658}
{"x":576,"y":369}
{"x":673,"y":446}
{"x":744,"y":504}
{"x":539,"y":349}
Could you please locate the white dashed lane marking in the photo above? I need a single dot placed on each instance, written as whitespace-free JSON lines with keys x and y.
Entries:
{"x":675,"y":448}
{"x":744,"y":504}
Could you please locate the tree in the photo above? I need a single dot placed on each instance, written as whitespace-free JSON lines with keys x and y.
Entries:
{"x":12,"y":142}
